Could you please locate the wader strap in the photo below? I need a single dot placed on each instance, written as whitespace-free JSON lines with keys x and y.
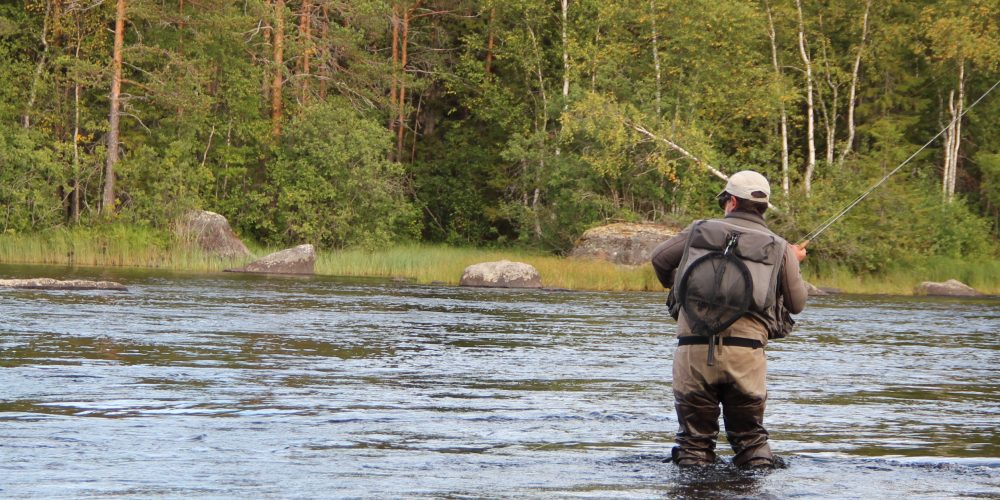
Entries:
{"x":732,"y":341}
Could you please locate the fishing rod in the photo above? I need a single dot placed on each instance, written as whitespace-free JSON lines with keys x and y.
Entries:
{"x":829,"y":222}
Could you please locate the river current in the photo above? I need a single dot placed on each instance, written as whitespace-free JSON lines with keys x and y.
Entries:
{"x":222,"y":385}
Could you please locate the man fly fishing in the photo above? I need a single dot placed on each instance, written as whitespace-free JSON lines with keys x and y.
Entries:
{"x":733,"y":284}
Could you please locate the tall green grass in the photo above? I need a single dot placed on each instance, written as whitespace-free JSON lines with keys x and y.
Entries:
{"x":131,"y":246}
{"x":435,"y":263}
{"x":108,"y":246}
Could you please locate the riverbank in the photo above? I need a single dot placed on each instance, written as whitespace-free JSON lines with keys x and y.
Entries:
{"x":120,"y":246}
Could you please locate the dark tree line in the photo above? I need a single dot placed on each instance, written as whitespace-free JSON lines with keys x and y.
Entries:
{"x":364,"y":122}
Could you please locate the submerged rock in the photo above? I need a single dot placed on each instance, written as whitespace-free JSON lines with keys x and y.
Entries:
{"x":211,"y":233}
{"x":53,"y":284}
{"x":501,"y":274}
{"x":622,"y":243}
{"x":950,"y":288}
{"x":297,"y":260}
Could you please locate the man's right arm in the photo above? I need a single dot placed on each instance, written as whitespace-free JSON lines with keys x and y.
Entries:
{"x":667,"y":256}
{"x":794,"y":287}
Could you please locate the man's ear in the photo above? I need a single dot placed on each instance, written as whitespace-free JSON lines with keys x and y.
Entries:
{"x":730,"y":204}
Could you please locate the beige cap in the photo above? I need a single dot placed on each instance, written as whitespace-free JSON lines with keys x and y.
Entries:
{"x":748,"y":185}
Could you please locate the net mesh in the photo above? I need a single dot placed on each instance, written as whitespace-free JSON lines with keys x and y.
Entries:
{"x":716,"y":291}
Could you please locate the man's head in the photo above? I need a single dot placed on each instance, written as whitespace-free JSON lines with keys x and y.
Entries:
{"x":749,"y":190}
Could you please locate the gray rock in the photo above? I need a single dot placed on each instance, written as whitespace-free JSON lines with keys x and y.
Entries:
{"x":52,"y":284}
{"x":950,"y":288}
{"x":813,"y":290}
{"x":622,"y":243}
{"x":211,"y":233}
{"x":501,"y":274}
{"x":297,"y":260}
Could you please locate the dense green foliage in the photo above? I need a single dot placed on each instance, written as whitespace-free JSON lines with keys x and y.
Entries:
{"x":481,"y":122}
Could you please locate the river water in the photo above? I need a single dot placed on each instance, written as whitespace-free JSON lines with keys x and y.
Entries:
{"x":220,"y":385}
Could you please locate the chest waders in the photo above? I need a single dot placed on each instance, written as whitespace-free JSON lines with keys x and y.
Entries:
{"x":726,"y":272}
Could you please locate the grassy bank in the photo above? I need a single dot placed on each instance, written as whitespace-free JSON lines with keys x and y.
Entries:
{"x":123,"y":246}
{"x":903,"y":275}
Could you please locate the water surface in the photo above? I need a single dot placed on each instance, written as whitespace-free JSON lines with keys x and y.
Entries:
{"x":227,"y":385}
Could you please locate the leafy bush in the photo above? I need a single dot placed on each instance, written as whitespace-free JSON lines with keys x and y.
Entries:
{"x":332,"y":184}
{"x":28,"y":172}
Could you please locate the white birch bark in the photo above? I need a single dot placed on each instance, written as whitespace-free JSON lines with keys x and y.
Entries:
{"x":673,"y":145}
{"x":953,"y":137}
{"x":656,"y":53}
{"x":565,"y":53}
{"x":810,"y":106}
{"x":853,"y":95}
{"x":949,"y":139}
{"x":830,"y":115}
{"x":26,"y":121}
{"x":784,"y":114}
{"x":535,"y":203}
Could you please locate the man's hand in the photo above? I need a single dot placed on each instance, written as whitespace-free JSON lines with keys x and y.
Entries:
{"x":800,"y":250}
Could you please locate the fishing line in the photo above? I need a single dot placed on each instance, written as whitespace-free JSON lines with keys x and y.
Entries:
{"x":829,"y":222}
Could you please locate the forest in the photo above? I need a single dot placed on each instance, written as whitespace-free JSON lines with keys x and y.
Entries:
{"x":518,"y":123}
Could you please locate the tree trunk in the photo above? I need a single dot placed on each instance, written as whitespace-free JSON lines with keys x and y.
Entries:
{"x":74,"y":207}
{"x":265,"y":84}
{"x":326,"y":53}
{"x":784,"y":114}
{"x":394,"y":20}
{"x":830,"y":115}
{"x":539,"y":127}
{"x":810,"y":106}
{"x":26,"y":121}
{"x":853,"y":93}
{"x":279,"y":66}
{"x":404,"y":43}
{"x":305,"y":16}
{"x":565,"y":58}
{"x":490,"y":41}
{"x":656,"y":54}
{"x":108,"y":200}
{"x":642,"y":130}
{"x":953,"y":136}
{"x":565,"y":53}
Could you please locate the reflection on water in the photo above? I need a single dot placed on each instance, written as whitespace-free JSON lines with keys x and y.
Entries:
{"x":226,"y":385}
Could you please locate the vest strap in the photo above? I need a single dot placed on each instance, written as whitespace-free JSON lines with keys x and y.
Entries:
{"x":732,"y":341}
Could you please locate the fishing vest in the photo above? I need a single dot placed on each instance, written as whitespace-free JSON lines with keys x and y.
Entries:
{"x":759,"y":250}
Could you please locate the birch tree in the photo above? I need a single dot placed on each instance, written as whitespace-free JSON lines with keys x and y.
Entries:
{"x":44,"y":38}
{"x":810,"y":106}
{"x":960,"y":36}
{"x":779,"y":77}
{"x":278,"y":67}
{"x":852,"y":100}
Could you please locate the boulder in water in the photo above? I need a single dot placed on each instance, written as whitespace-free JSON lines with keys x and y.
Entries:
{"x":297,"y":260}
{"x":623,"y":243}
{"x":950,"y":288}
{"x":814,"y":291}
{"x":53,"y":284}
{"x":501,"y":274}
{"x":211,"y":233}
